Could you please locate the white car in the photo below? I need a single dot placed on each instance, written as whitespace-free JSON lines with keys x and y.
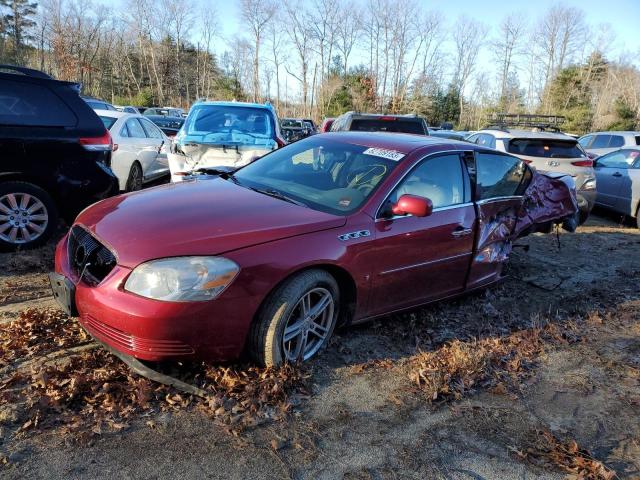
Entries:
{"x":547,"y":152}
{"x":601,"y":143}
{"x":139,"y":149}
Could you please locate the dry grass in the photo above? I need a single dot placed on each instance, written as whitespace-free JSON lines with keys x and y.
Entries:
{"x":36,"y":332}
{"x":458,"y":368}
{"x":90,"y":392}
{"x":547,"y":451}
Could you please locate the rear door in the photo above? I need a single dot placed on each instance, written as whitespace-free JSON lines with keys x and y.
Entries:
{"x":614,"y":180}
{"x":145,"y":147}
{"x":500,"y":181}
{"x":156,"y":140}
{"x":419,"y":259}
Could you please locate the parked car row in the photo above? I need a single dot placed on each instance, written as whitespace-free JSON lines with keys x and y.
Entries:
{"x":257,"y":248}
{"x":294,"y":129}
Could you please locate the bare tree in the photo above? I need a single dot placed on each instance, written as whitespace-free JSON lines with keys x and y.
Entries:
{"x":558,"y":36}
{"x":468,"y":37}
{"x":507,"y":47}
{"x":277,"y":50}
{"x":348,"y":30}
{"x":300,"y":35}
{"x":257,"y":13}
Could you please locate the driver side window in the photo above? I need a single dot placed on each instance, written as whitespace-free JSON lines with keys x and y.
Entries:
{"x":439,"y":179}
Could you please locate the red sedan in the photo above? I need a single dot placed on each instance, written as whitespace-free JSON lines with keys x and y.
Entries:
{"x":337,"y":228}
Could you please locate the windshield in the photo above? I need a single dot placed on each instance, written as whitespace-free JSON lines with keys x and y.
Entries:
{"x":108,"y":121}
{"x":393,"y":125}
{"x":291,"y":123}
{"x":330,"y":176}
{"x":539,"y":147}
{"x":230,"y":125}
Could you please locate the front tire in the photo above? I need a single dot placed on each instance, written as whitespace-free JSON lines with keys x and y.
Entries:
{"x":297,"y":319}
{"x":28,"y":216}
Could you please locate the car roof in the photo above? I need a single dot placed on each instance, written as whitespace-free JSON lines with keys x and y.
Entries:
{"x":115,"y":113}
{"x":409,"y":116}
{"x":613,"y":132}
{"x":512,"y":133}
{"x":235,"y":104}
{"x":400,"y":142}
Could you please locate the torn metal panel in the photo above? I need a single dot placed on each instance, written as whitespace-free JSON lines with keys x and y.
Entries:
{"x":549,"y":199}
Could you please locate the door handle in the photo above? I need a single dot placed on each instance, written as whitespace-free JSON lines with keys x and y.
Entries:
{"x":617,"y":174}
{"x":461,"y":232}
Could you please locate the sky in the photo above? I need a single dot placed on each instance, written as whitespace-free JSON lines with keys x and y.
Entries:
{"x":622,"y":15}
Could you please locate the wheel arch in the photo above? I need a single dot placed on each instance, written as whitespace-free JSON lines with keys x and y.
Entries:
{"x":346,"y":284}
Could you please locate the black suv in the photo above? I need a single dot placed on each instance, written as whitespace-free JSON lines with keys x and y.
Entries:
{"x":55,"y":156}
{"x":372,"y":122}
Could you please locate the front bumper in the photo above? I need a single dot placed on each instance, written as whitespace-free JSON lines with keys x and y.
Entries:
{"x":154,"y":330}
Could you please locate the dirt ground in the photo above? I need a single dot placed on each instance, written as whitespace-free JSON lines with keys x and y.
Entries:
{"x":366,"y":415}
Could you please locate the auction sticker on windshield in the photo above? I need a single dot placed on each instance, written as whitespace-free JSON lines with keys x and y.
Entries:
{"x":384,"y":153}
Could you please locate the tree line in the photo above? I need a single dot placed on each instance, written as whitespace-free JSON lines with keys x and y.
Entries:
{"x":322,"y":57}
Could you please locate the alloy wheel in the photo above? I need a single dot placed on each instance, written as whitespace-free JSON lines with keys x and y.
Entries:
{"x":135,"y":178}
{"x":309,"y":325}
{"x":23,"y":218}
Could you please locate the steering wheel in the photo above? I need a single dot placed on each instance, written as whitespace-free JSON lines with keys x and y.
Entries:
{"x":366,"y":177}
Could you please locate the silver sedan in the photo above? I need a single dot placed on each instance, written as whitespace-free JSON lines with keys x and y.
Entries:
{"x":139,"y":149}
{"x":618,"y":181}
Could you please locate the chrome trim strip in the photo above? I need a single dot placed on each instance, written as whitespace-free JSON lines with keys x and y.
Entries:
{"x":439,"y":209}
{"x":500,"y":199}
{"x":424,"y":264}
{"x":434,"y":154}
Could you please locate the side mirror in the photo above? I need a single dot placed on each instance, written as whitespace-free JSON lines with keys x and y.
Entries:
{"x":413,"y":205}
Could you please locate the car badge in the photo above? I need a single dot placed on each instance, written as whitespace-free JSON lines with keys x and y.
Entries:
{"x":353,"y":235}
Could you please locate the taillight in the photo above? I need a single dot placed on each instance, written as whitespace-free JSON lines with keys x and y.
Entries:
{"x":98,"y":144}
{"x":583,"y":163}
{"x":281,"y":143}
{"x":388,"y":118}
{"x":528,"y":162}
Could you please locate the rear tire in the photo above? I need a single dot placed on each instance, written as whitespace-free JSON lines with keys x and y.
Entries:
{"x":28,"y":216}
{"x":134,"y":181}
{"x":306,"y":308}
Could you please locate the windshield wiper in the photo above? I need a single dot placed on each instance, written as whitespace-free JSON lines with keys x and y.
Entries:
{"x":277,"y":194}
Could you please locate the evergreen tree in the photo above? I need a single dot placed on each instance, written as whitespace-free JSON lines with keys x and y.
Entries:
{"x":17,"y":24}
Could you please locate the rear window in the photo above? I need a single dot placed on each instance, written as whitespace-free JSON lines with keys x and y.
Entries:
{"x":378,"y":125}
{"x":108,"y":121}
{"x":230,"y":125}
{"x":539,"y":147}
{"x":601,"y":141}
{"x":616,"y":141}
{"x":28,"y":104}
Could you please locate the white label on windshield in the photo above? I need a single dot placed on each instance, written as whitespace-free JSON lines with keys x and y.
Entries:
{"x":384,"y":153}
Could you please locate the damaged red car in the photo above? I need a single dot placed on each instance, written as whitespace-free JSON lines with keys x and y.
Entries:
{"x":269,"y":259}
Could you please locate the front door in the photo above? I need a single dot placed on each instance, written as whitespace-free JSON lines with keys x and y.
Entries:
{"x":612,"y":179}
{"x":418,"y":259}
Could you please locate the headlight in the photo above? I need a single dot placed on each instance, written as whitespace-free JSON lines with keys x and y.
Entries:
{"x":589,"y":184}
{"x":182,"y":279}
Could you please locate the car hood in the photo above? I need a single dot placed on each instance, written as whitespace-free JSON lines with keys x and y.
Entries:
{"x":199,"y":217}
